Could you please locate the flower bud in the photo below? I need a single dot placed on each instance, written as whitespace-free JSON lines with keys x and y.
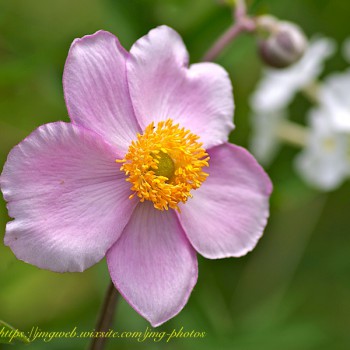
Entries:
{"x":283,"y":43}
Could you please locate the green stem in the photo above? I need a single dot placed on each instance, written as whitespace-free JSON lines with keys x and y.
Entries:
{"x":292,"y":133}
{"x":106,"y":317}
{"x":312,"y":92}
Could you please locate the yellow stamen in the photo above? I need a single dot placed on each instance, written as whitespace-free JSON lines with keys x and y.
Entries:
{"x":165,"y":164}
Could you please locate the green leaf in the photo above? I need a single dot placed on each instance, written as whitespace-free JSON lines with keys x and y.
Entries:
{"x":11,"y":335}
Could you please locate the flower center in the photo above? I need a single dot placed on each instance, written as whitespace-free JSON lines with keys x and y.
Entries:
{"x":165,"y":164}
{"x":329,"y":144}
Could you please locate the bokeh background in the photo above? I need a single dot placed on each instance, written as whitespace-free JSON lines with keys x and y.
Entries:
{"x":292,"y":292}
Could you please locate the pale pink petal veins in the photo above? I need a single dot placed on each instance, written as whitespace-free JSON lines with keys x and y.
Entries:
{"x":162,"y":86}
{"x":153,"y":265}
{"x":96,"y":88}
{"x":228,"y":213}
{"x":67,"y":196}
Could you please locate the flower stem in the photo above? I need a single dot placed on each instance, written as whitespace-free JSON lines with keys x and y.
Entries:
{"x":241,"y":9}
{"x":312,"y":92}
{"x":292,"y":133}
{"x":243,"y":24}
{"x":106,"y":317}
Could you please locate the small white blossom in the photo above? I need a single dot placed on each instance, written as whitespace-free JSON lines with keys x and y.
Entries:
{"x":346,"y":50}
{"x":325,"y":162}
{"x":264,"y":141}
{"x":334,"y":95}
{"x":278,"y":87}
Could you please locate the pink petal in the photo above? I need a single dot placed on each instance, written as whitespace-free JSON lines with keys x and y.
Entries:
{"x":67,"y":196}
{"x":228,"y":213}
{"x":162,"y":86}
{"x":153,"y":265}
{"x":96,"y":89}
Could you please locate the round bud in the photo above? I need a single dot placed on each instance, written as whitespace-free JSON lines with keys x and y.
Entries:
{"x":282,"y":43}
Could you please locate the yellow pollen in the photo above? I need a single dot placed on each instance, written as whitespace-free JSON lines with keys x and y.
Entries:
{"x":164,"y":164}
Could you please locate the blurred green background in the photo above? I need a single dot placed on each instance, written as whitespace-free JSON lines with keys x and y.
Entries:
{"x":292,"y":292}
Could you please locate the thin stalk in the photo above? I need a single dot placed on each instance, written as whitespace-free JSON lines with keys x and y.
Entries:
{"x":243,"y":24}
{"x":106,"y":317}
{"x":312,"y":92}
{"x":292,"y":133}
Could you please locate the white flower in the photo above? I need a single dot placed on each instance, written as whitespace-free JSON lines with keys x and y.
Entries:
{"x":264,"y":141}
{"x":278,"y":87}
{"x":334,"y":95}
{"x":325,"y":162}
{"x":346,"y":50}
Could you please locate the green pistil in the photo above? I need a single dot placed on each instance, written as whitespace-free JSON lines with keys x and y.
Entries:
{"x":166,"y":166}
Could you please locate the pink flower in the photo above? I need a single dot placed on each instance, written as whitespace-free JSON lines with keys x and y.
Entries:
{"x":148,"y":118}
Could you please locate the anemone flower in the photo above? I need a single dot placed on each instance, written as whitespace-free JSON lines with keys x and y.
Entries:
{"x":334,"y":98}
{"x":324,"y":162}
{"x":143,"y":174}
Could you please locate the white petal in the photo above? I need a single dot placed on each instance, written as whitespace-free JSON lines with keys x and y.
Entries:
{"x":278,"y":87}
